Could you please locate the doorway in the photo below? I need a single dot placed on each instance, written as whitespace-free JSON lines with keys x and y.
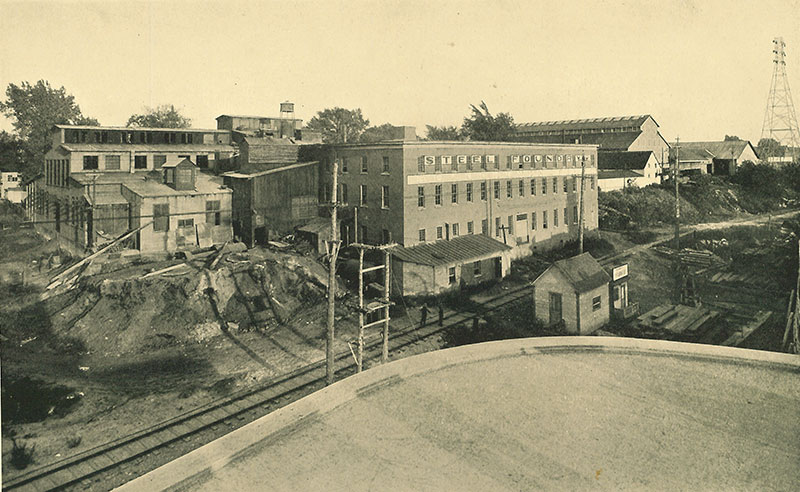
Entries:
{"x":555,"y":308}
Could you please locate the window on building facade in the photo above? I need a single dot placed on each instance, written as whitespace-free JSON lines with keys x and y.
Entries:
{"x":476,"y":269}
{"x":544,"y":186}
{"x":387,"y":236}
{"x":591,"y":180}
{"x":497,"y":226}
{"x":385,"y":165}
{"x":363,"y":164}
{"x":213,"y":214}
{"x":455,"y":229}
{"x":344,"y":193}
{"x":533,"y":221}
{"x":454,"y":193}
{"x":112,"y":162}
{"x":439,"y":232}
{"x":422,"y":235}
{"x":451,"y":162}
{"x":483,"y":191}
{"x":565,"y":183}
{"x":90,"y":162}
{"x":420,"y":196}
{"x":574,"y":183}
{"x":161,"y":217}
{"x":469,"y":192}
{"x":159,"y":160}
{"x":421,"y":164}
{"x":533,"y":186}
{"x":497,"y":190}
{"x":596,"y":303}
{"x":509,"y":192}
{"x":451,"y":275}
{"x":470,"y":228}
{"x":362,"y":195}
{"x":555,"y":185}
{"x":385,"y":196}
{"x":344,"y":164}
{"x":485,"y":227}
{"x":185,"y":223}
{"x":575,"y":214}
{"x":511,"y":224}
{"x":544,"y":219}
{"x":521,"y":188}
{"x":437,"y":195}
{"x":555,"y":217}
{"x":140,"y":162}
{"x":566,"y":217}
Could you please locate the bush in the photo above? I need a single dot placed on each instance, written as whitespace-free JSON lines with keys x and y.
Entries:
{"x":21,"y":454}
{"x":74,"y":441}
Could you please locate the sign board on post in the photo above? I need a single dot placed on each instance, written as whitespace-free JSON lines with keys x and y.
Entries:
{"x":287,"y":107}
{"x":619,"y":272}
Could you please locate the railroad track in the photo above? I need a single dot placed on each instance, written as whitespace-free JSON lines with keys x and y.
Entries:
{"x":228,"y":413}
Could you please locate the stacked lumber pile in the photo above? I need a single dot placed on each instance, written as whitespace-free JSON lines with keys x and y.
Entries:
{"x":676,"y":321}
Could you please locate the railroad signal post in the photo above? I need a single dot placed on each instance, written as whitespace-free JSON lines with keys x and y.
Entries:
{"x":383,"y":304}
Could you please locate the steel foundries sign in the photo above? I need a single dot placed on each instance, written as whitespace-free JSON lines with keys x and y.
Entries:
{"x":619,"y":272}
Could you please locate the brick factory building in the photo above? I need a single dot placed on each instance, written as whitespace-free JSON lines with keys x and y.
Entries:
{"x":524,"y":196}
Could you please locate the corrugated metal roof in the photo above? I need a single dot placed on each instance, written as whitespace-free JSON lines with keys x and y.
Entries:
{"x":459,"y":249}
{"x":607,"y":141}
{"x":585,"y":124}
{"x":725,"y":149}
{"x":582,"y":272}
{"x":623,"y":160}
{"x":316,"y":226}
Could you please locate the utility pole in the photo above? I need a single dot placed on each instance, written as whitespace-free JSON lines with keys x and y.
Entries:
{"x":334,"y":253}
{"x":580,"y":204}
{"x":384,"y":304}
{"x":675,"y":174}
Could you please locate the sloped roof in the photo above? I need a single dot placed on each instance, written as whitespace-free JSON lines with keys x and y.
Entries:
{"x":586,"y":124}
{"x":607,"y":141}
{"x":459,"y":249}
{"x":617,"y":173}
{"x":176,"y":164}
{"x":623,"y":160}
{"x":254,"y":141}
{"x":724,"y":149}
{"x":581,"y":271}
{"x":245,"y":175}
{"x":316,"y":225}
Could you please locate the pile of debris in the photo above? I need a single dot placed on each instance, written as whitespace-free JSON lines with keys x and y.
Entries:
{"x":697,"y":259}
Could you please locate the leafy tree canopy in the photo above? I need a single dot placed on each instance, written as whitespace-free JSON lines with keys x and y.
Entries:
{"x":732,"y":138}
{"x":444,"y":133}
{"x":13,"y":154}
{"x":339,"y":125}
{"x":34,"y":109}
{"x":163,"y":116}
{"x":769,"y":147}
{"x":484,"y":126}
{"x":378,"y":133}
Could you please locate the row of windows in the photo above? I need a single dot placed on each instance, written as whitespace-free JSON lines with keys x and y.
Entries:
{"x":56,"y":172}
{"x":132,"y":137}
{"x":447,"y":231}
{"x":362,"y":195}
{"x":363,"y":165}
{"x":112,"y":162}
{"x":522,"y":187}
{"x":449,"y":163}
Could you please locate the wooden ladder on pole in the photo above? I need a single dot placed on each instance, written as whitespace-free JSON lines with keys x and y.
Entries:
{"x":383,"y":304}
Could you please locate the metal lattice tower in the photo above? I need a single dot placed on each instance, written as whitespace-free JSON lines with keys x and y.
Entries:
{"x":780,"y":119}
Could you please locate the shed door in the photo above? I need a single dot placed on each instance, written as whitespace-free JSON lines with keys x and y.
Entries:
{"x":555,"y":308}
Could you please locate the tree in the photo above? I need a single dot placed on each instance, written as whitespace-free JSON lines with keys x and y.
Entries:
{"x":732,"y":138}
{"x":444,"y":133}
{"x":13,"y":154}
{"x":338,"y":125}
{"x":34,"y":110}
{"x":163,"y":116}
{"x":769,"y":147}
{"x":482,"y":125}
{"x":385,"y":131}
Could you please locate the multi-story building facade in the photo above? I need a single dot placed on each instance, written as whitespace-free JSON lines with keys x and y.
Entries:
{"x":99,"y":182}
{"x":523,"y":195}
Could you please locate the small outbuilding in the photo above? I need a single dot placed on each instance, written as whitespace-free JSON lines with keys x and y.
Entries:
{"x":574,"y":292}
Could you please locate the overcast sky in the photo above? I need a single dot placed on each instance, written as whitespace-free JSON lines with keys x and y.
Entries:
{"x":702,"y":69}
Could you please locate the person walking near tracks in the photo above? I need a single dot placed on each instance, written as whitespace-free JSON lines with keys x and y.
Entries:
{"x":424,"y":315}
{"x":441,"y":314}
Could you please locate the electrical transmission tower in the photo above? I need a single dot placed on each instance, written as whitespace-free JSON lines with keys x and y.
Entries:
{"x":780,"y":120}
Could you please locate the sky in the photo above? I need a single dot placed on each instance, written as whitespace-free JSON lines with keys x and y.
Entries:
{"x":702,"y":69}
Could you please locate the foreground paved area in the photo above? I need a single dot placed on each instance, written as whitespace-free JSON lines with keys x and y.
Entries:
{"x":550,"y":413}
